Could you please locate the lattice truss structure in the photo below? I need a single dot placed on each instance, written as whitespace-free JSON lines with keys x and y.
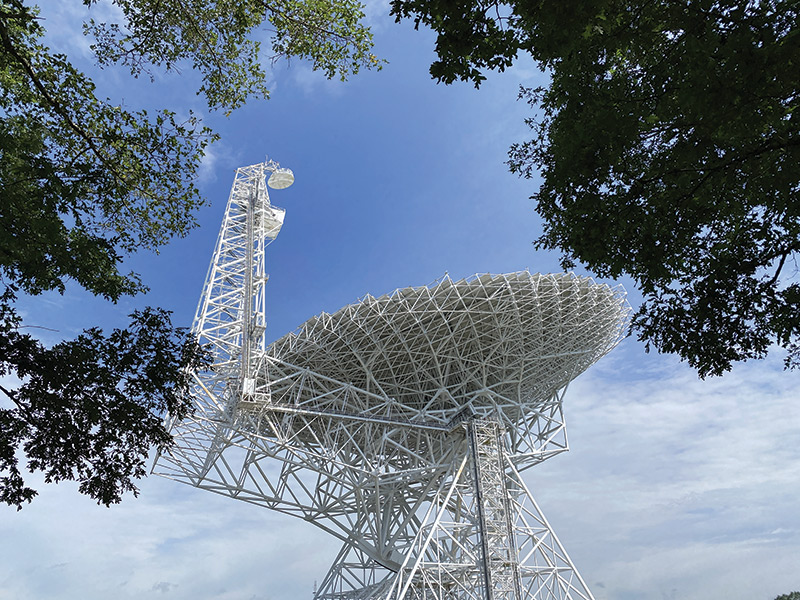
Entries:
{"x":399,"y":424}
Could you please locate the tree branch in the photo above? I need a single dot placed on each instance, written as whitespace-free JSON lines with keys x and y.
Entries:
{"x":22,"y":16}
{"x":60,"y":109}
{"x":12,"y":395}
{"x":782,"y":262}
{"x":201,"y":34}
{"x":305,"y":25}
{"x":62,"y":112}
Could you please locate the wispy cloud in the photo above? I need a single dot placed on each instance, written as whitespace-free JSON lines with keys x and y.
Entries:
{"x":163,"y":587}
{"x":674,"y":488}
{"x":678,"y":483}
{"x":313,"y":82}
{"x":376,"y":14}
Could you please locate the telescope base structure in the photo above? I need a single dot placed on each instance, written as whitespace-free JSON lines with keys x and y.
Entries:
{"x":482,"y":537}
{"x":466,"y":528}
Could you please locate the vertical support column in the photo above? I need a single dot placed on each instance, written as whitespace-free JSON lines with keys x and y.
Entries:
{"x":499,"y":552}
{"x":247,"y":300}
{"x":229,"y":321}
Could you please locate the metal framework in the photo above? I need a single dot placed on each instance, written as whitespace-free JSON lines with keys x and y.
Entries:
{"x":399,"y":424}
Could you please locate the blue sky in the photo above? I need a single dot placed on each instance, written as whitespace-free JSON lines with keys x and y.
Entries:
{"x":674,"y":488}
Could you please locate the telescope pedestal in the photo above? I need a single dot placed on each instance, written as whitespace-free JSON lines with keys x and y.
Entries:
{"x":481,"y":537}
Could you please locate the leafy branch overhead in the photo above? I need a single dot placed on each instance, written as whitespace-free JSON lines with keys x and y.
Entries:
{"x":217,"y":40}
{"x":83,"y":181}
{"x":667,"y":142}
{"x":86,"y":182}
{"x":89,"y":409}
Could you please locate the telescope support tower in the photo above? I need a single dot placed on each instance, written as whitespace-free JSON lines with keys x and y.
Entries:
{"x":399,"y":424}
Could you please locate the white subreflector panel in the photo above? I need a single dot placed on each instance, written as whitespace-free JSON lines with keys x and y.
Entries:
{"x":398,"y":424}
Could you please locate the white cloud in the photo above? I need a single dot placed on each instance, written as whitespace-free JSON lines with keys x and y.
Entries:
{"x":64,"y":21}
{"x":173,"y":541}
{"x":674,"y":488}
{"x":674,"y":483}
{"x":376,"y":14}
{"x":207,"y":172}
{"x":313,"y":82}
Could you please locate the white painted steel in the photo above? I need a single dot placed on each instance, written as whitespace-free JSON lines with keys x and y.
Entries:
{"x":399,"y":424}
{"x":280,"y":179}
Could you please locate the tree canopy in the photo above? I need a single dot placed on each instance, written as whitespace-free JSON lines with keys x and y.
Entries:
{"x":90,"y":409}
{"x":667,"y":142}
{"x":86,"y":181}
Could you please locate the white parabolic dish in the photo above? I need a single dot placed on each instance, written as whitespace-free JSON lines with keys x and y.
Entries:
{"x":468,"y":343}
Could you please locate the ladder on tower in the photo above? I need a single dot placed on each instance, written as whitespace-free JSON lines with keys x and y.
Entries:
{"x":499,"y":552}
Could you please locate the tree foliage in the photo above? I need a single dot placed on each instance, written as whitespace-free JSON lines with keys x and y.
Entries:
{"x":86,"y":181}
{"x":667,"y":142}
{"x":89,"y":409}
{"x":216,"y":39}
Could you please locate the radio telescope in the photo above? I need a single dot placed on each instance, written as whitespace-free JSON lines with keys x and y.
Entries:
{"x":399,"y":424}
